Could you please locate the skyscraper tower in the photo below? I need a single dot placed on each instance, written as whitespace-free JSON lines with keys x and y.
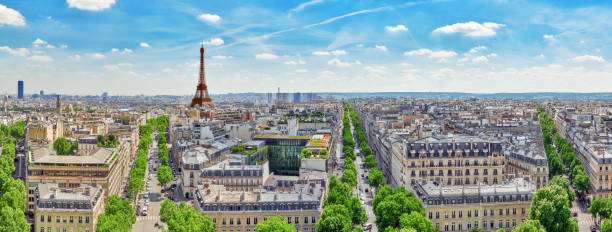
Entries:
{"x":58,"y":105}
{"x":5,"y":104}
{"x":201,"y":97}
{"x":20,"y":89}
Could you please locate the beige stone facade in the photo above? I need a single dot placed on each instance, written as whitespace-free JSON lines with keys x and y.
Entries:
{"x":454,"y":161}
{"x":63,"y":210}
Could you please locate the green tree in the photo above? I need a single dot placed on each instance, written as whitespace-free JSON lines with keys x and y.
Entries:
{"x":275,"y":224}
{"x":164,"y":175}
{"x":306,"y":153}
{"x":376,"y":178}
{"x":12,"y":219}
{"x":358,"y":215}
{"x":564,"y":183}
{"x":581,"y":181}
{"x":74,"y":148}
{"x":61,"y":146}
{"x":13,"y":195}
{"x":184,"y":218}
{"x":389,"y":205}
{"x":118,"y":216}
{"x":334,"y":218}
{"x":529,"y":226}
{"x":476,"y":229}
{"x":349,"y":177}
{"x":416,"y":221}
{"x":606,"y":225}
{"x":550,"y":206}
{"x":370,"y":161}
{"x":601,"y":207}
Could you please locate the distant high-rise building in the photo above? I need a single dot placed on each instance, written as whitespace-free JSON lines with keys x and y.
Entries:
{"x":297,"y":97}
{"x":42,"y":94}
{"x":269,"y":97}
{"x":20,"y":89}
{"x":105,"y":97}
{"x":58,"y":104}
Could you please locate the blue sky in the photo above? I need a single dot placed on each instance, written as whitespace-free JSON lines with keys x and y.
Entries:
{"x":152,"y":47}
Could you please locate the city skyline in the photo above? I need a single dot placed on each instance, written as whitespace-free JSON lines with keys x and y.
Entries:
{"x":132,"y":48}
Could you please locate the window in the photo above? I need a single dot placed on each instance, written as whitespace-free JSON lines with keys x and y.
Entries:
{"x":500,"y":222}
{"x":238,"y":221}
{"x":87,"y":219}
{"x":57,"y":219}
{"x":430,"y":215}
{"x":42,"y":219}
{"x":248,"y":221}
{"x":313,"y":220}
{"x":296,"y":220}
{"x":42,"y":229}
{"x":476,"y":213}
{"x":80,"y":219}
{"x":437,"y":215}
{"x":460,"y":215}
{"x":48,"y":218}
{"x":501,"y":212}
{"x":508,"y":211}
{"x":523,"y":211}
{"x":255,"y":221}
{"x":305,"y":220}
{"x":289,"y":220}
{"x":492,"y":213}
{"x":484,"y":223}
{"x":231,"y":221}
{"x":71,"y":221}
{"x":514,"y":211}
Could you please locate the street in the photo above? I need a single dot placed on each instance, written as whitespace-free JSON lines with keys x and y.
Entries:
{"x":363,"y":184}
{"x":151,"y":197}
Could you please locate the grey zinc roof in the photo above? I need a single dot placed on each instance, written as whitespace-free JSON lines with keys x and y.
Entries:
{"x":47,"y":156}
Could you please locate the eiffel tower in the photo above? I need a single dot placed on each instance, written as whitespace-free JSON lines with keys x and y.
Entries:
{"x":201,"y":97}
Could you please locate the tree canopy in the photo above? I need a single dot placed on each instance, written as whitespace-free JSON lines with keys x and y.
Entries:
{"x":529,"y":226}
{"x":184,"y":218}
{"x":118,"y":216}
{"x":550,"y":206}
{"x":274,"y":224}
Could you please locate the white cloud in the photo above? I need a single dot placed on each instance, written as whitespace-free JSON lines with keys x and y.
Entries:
{"x":442,"y":61}
{"x":266,"y":56}
{"x":210,"y":18}
{"x":16,"y":51}
{"x":338,"y":63}
{"x":305,"y":4}
{"x":480,"y":59}
{"x":111,"y":67}
{"x":301,"y":62}
{"x":98,"y":56}
{"x":290,"y":62}
{"x":478,"y":49}
{"x":397,"y":28}
{"x":321,"y":53}
{"x":75,"y":57}
{"x":114,"y":50}
{"x":492,"y":55}
{"x":550,"y":38}
{"x":588,"y":58}
{"x":11,"y":17}
{"x":50,"y":46}
{"x":377,"y":69}
{"x":125,"y":64}
{"x":471,"y":29}
{"x":381,"y":47}
{"x":301,"y":70}
{"x":339,"y":52}
{"x":167,"y":70}
{"x":145,"y":45}
{"x":38,"y":42}
{"x":431,"y":54}
{"x":91,"y":5}
{"x":41,"y":58}
{"x":327,"y":72}
{"x":222,"y":57}
{"x":326,"y":53}
{"x":127,"y":51}
{"x":215,"y":41}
